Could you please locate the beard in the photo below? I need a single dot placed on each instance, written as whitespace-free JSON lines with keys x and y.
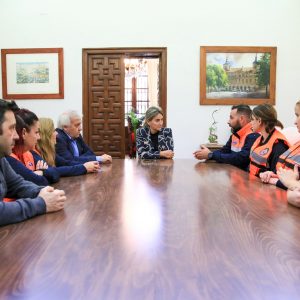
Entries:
{"x":236,"y":128}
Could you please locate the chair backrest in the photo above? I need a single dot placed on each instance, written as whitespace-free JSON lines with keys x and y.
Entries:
{"x":291,"y":133}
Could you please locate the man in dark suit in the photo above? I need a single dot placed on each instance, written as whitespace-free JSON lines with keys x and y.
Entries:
{"x":70,"y":144}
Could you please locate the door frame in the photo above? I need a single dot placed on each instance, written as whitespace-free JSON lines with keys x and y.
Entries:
{"x":132,"y":52}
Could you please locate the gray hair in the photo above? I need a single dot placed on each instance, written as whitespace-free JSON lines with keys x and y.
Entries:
{"x":151,"y":113}
{"x":65,"y":118}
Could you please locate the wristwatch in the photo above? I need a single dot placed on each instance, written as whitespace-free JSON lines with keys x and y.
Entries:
{"x":210,"y":155}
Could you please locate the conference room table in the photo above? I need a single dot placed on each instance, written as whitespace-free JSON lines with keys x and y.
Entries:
{"x":160,"y":229}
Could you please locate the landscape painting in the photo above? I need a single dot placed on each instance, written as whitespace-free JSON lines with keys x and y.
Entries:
{"x":32,"y":72}
{"x":231,"y":75}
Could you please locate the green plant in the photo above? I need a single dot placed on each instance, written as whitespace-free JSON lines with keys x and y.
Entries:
{"x":135,"y":121}
{"x":213,"y":137}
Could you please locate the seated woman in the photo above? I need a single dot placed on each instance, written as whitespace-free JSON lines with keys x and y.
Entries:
{"x":154,"y":141}
{"x":290,"y":179}
{"x":287,"y":160}
{"x":21,"y":159}
{"x":267,"y":148}
{"x":46,"y":148}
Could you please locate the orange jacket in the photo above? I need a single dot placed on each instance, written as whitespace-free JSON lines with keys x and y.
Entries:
{"x":290,"y":157}
{"x":238,"y":143}
{"x":28,"y":160}
{"x":259,"y":154}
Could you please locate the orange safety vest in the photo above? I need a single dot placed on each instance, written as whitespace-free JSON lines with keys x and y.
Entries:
{"x":237,"y":143}
{"x":29,"y":163}
{"x":259,"y":155}
{"x":289,"y":158}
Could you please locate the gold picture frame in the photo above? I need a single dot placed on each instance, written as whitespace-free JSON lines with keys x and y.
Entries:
{"x":231,"y":75}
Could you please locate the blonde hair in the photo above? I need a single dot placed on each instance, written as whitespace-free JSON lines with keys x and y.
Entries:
{"x":151,"y":113}
{"x":45,"y":145}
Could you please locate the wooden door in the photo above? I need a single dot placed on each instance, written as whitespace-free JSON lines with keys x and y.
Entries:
{"x":104,"y":103}
{"x":103,"y":95}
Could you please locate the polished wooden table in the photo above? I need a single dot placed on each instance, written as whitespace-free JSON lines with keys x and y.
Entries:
{"x":157,"y":230}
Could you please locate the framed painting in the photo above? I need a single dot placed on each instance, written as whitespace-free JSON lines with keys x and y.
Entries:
{"x":237,"y":75}
{"x":36,"y":73}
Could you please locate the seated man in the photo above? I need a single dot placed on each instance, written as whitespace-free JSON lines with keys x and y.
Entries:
{"x":69,"y":143}
{"x":32,"y":200}
{"x":237,"y":150}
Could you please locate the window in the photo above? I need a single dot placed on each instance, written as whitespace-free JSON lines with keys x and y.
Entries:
{"x":141,"y":85}
{"x":136,"y":95}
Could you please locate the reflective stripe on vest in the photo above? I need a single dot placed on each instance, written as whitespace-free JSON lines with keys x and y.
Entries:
{"x":237,"y":143}
{"x":257,"y":158}
{"x":259,"y":155}
{"x":289,"y":158}
{"x":235,"y":149}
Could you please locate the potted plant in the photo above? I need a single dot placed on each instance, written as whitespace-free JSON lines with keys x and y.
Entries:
{"x":134,"y":122}
{"x":213,"y":137}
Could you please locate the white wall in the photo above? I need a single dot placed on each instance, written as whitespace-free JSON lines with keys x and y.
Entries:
{"x":182,"y":27}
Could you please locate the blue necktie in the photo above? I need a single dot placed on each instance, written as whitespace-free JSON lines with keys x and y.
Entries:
{"x":75,"y":148}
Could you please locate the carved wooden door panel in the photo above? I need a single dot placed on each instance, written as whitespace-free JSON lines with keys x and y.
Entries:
{"x":103,"y":95}
{"x":104,"y":89}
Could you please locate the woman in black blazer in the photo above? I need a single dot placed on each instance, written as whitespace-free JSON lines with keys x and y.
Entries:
{"x":153,"y":141}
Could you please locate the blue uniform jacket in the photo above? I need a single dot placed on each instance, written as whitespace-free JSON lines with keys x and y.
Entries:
{"x":50,"y":175}
{"x":239,"y":159}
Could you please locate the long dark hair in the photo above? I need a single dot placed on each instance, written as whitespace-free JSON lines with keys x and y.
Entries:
{"x":25,"y":119}
{"x":268,"y":116}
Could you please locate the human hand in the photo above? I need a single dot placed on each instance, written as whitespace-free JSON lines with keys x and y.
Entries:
{"x":54,"y":199}
{"x":38,"y":172}
{"x":266,"y":176}
{"x":166,"y":154}
{"x":41,"y":165}
{"x":293,"y":197}
{"x":106,"y":158}
{"x":91,"y":166}
{"x":289,"y":177}
{"x":197,"y":154}
{"x":273,"y":180}
{"x":202,"y":153}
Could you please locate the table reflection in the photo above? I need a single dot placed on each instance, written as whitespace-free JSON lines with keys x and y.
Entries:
{"x":158,"y":172}
{"x":143,"y":202}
